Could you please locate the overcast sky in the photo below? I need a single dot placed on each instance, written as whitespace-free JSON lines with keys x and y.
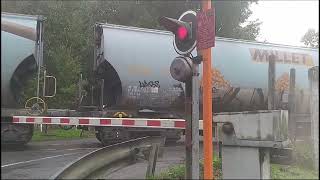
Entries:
{"x":285,"y":22}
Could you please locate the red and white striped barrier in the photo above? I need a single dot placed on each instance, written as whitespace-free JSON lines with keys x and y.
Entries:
{"x":95,"y":121}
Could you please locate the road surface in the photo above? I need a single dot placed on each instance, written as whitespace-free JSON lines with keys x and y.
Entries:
{"x":41,"y":160}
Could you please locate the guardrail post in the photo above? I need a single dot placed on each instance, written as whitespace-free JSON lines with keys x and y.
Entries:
{"x":152,"y":160}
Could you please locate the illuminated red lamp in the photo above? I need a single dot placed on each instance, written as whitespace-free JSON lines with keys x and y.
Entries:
{"x":182,"y":33}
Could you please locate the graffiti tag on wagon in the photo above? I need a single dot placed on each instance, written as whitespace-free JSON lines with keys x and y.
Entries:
{"x":133,"y":91}
{"x":153,"y":84}
{"x":282,"y":57}
{"x":136,"y":91}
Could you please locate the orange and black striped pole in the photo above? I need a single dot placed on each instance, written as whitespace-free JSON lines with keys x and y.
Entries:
{"x":207,"y":106}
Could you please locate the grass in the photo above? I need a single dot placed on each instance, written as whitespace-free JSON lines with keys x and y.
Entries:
{"x":59,"y":134}
{"x":174,"y":172}
{"x":178,"y":171}
{"x":277,"y":172}
{"x":292,"y":172}
{"x":302,"y":153}
{"x":299,"y":170}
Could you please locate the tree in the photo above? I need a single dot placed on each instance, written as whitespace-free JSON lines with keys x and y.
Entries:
{"x":311,"y":38}
{"x":231,"y":16}
{"x":68,"y":36}
{"x":232,"y":20}
{"x":65,"y":46}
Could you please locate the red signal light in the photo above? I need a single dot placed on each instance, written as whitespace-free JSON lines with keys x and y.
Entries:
{"x":182,"y":33}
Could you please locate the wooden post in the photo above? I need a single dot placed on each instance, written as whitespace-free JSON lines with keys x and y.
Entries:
{"x":152,"y":160}
{"x":291,"y":104}
{"x":207,"y":107}
{"x":271,"y":82}
{"x":314,"y":113}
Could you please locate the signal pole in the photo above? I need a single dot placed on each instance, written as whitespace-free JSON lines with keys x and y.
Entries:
{"x":195,"y":119}
{"x":191,"y":30}
{"x":207,"y":106}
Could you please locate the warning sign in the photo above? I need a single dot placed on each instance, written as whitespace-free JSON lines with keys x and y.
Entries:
{"x":205,"y":29}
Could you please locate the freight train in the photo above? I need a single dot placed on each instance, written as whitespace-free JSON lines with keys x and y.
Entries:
{"x":131,"y":77}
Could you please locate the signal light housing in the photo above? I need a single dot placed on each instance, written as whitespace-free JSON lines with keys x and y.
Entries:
{"x":181,"y":68}
{"x":184,"y":30}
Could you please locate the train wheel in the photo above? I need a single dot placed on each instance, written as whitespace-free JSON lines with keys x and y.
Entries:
{"x":172,"y":136}
{"x":16,"y":134}
{"x":109,"y":135}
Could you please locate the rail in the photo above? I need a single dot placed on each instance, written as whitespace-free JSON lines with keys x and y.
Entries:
{"x":102,"y":162}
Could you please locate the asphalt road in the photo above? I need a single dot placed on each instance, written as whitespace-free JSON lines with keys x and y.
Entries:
{"x":41,"y":160}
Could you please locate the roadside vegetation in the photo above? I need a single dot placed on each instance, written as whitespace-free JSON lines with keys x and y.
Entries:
{"x":292,"y":172}
{"x":302,"y":154}
{"x":178,"y":171}
{"x":277,"y":172}
{"x":301,"y":167}
{"x":59,"y":134}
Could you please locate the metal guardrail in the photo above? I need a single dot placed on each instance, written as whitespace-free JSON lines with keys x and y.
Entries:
{"x":102,"y":162}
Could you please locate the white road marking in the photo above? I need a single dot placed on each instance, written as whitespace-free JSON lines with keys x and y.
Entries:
{"x":79,"y":149}
{"x":23,"y":162}
{"x":67,"y":149}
